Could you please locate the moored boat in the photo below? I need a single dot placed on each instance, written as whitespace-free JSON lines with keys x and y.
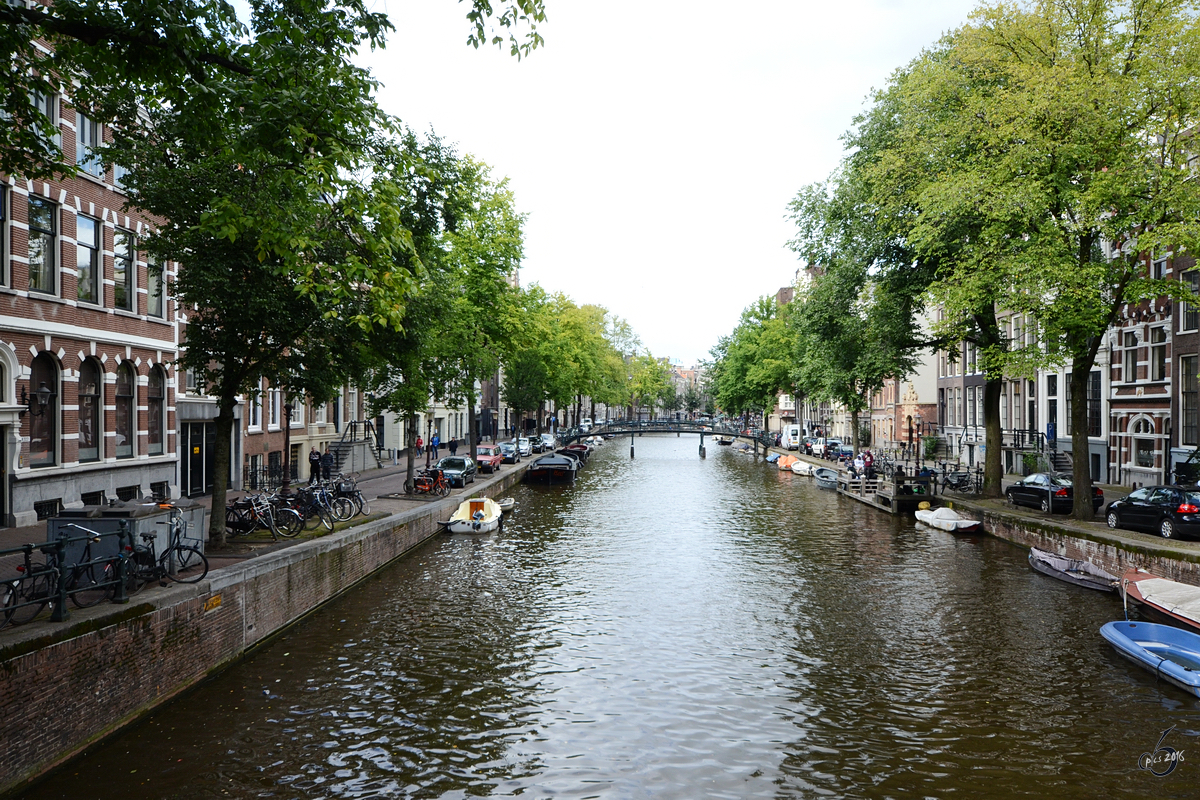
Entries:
{"x":826,"y":478}
{"x":1072,"y":570}
{"x":802,"y":467}
{"x":1171,"y":653}
{"x":475,"y":515}
{"x":725,"y":440}
{"x":1163,"y":600}
{"x":507,"y":504}
{"x":552,"y":469}
{"x":947,"y":519}
{"x":773,"y":458}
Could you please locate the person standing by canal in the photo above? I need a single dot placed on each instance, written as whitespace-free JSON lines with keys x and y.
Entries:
{"x":453,"y":446}
{"x":434,"y":443}
{"x":314,"y":465}
{"x":327,"y":464}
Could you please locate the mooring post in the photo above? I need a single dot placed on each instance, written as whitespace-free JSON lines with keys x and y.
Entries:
{"x":702,"y":444}
{"x":631,"y":444}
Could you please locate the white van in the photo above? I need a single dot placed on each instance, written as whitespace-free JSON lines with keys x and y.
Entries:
{"x":791,"y":437}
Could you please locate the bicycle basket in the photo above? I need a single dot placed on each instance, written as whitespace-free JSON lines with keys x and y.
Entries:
{"x":143,"y":557}
{"x":345,"y":487}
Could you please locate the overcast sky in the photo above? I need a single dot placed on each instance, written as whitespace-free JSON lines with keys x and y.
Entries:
{"x":655,"y":152}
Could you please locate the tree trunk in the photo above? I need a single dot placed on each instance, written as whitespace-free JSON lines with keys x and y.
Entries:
{"x":410,"y":441}
{"x":993,"y":469}
{"x":221,"y":463}
{"x":1081,"y":469}
{"x":471,"y":423}
{"x":854,"y":430}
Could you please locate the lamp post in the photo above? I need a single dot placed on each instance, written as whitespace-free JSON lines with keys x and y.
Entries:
{"x":36,"y":405}
{"x":920,"y":441}
{"x":286,"y":484}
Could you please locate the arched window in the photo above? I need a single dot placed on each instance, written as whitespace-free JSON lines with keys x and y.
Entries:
{"x":43,"y":417}
{"x":91,"y":401}
{"x":126,"y":418}
{"x":156,"y":412}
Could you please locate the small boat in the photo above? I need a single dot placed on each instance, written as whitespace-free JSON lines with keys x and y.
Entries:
{"x":1072,"y":570}
{"x":826,"y":478}
{"x":725,"y":440}
{"x":476,"y":515}
{"x":947,"y":519}
{"x":802,"y":467}
{"x":1171,"y":653}
{"x":552,"y":469}
{"x":785,"y":462}
{"x":1163,"y":600}
{"x":507,"y":504}
{"x":772,"y":458}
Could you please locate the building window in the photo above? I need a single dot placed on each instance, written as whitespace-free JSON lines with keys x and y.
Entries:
{"x":1143,"y":448}
{"x":1190,"y":411}
{"x":87,"y":259}
{"x":124,"y":269}
{"x":156,"y":305}
{"x":273,"y":408}
{"x":1190,"y":317}
{"x":43,"y":420}
{"x":91,"y":402}
{"x":1093,"y":403}
{"x":254,"y":409}
{"x":87,"y":139}
{"x":319,"y":413}
{"x":1158,"y":354}
{"x":971,"y":406}
{"x":125,"y":418}
{"x":45,"y":103}
{"x":193,"y":383}
{"x":42,"y":230}
{"x":3,"y":236}
{"x":1129,"y":357}
{"x":1158,"y":268}
{"x":156,"y":412}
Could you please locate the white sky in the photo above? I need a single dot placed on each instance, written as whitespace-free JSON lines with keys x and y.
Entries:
{"x":655,"y":153}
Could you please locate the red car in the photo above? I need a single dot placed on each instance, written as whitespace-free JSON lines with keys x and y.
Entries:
{"x":489,"y":457}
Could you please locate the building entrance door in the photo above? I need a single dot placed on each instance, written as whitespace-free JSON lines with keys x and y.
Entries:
{"x":200,"y":444}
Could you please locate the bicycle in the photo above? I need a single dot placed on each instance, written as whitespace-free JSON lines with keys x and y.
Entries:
{"x":347,"y":487}
{"x":25,"y":597}
{"x":91,"y":581}
{"x":178,"y":558}
{"x":431,"y":481}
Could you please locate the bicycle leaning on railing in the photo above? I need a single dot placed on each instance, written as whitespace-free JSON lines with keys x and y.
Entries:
{"x":180,"y":561}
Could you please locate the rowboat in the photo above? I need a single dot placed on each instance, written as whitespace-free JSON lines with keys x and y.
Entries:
{"x":772,"y":458}
{"x":947,"y":519}
{"x":724,"y":440}
{"x":507,"y":504}
{"x":476,"y":515}
{"x":801,"y":467}
{"x":826,"y":478}
{"x":1072,"y":570}
{"x":1161,"y":599}
{"x":1171,"y":653}
{"x":552,"y":469}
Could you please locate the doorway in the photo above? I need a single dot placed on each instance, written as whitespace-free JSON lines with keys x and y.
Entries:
{"x":200,"y":446}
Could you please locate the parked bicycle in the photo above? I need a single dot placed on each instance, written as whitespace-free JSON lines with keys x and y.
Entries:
{"x":179,"y":562}
{"x":431,"y":481}
{"x":347,"y":486}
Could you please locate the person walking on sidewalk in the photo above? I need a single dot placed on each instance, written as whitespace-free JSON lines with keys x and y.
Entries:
{"x":327,"y":464}
{"x":435,"y":442}
{"x":453,"y":446}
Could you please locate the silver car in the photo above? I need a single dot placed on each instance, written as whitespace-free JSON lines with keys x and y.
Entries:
{"x":524,"y":447}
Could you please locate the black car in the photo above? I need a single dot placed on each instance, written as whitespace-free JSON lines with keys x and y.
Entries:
{"x":1050,"y":493}
{"x":510,"y":453}
{"x":459,"y":470}
{"x":1169,"y":511}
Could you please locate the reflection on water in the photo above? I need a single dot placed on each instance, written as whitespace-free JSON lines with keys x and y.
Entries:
{"x":678,"y":628}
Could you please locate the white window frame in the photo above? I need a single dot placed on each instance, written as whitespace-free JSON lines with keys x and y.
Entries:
{"x":254,"y":413}
{"x":1158,"y":353}
{"x":89,"y":134}
{"x":274,"y":409}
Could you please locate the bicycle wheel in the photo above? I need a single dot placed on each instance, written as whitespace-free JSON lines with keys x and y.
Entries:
{"x":90,"y":584}
{"x":443,"y":488}
{"x":289,"y":522}
{"x":343,"y":509}
{"x":236,"y":522}
{"x":364,"y":505}
{"x":190,"y":564}
{"x":32,"y":595}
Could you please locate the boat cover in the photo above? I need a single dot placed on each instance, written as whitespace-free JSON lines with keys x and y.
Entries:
{"x":1178,"y":598}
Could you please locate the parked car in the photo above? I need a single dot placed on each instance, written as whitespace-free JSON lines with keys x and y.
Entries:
{"x":459,"y":470}
{"x":806,"y":445}
{"x":535,"y":444}
{"x":1169,"y":511}
{"x":548,"y":442}
{"x":524,"y":446}
{"x":1049,"y":492}
{"x":509,"y":452}
{"x":488,"y":457}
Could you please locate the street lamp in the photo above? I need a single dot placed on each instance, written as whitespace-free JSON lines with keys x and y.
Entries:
{"x":36,"y":405}
{"x":920,"y":441}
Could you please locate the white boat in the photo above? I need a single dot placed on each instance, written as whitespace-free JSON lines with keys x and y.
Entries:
{"x":826,"y":478}
{"x":476,"y":515}
{"x":802,"y":467}
{"x":507,"y":504}
{"x":947,"y":519}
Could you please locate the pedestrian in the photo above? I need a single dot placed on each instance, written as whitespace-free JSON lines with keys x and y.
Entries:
{"x":453,"y":446}
{"x":314,"y":465}
{"x":435,"y":442}
{"x":327,"y":464}
{"x":420,"y":445}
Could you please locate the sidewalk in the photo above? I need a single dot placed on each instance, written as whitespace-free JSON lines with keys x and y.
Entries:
{"x":383,"y":481}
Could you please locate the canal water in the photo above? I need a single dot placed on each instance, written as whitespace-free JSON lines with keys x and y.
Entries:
{"x":672,"y":627}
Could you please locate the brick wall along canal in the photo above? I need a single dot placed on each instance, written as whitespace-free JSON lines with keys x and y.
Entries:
{"x":675,"y":628}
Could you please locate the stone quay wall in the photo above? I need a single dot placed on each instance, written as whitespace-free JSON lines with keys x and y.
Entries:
{"x":66,"y":686}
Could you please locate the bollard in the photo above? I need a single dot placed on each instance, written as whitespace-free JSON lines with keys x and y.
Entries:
{"x":631,"y":444}
{"x":60,"y":613}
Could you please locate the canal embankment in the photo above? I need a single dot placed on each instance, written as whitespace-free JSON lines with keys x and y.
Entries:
{"x":65,"y":686}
